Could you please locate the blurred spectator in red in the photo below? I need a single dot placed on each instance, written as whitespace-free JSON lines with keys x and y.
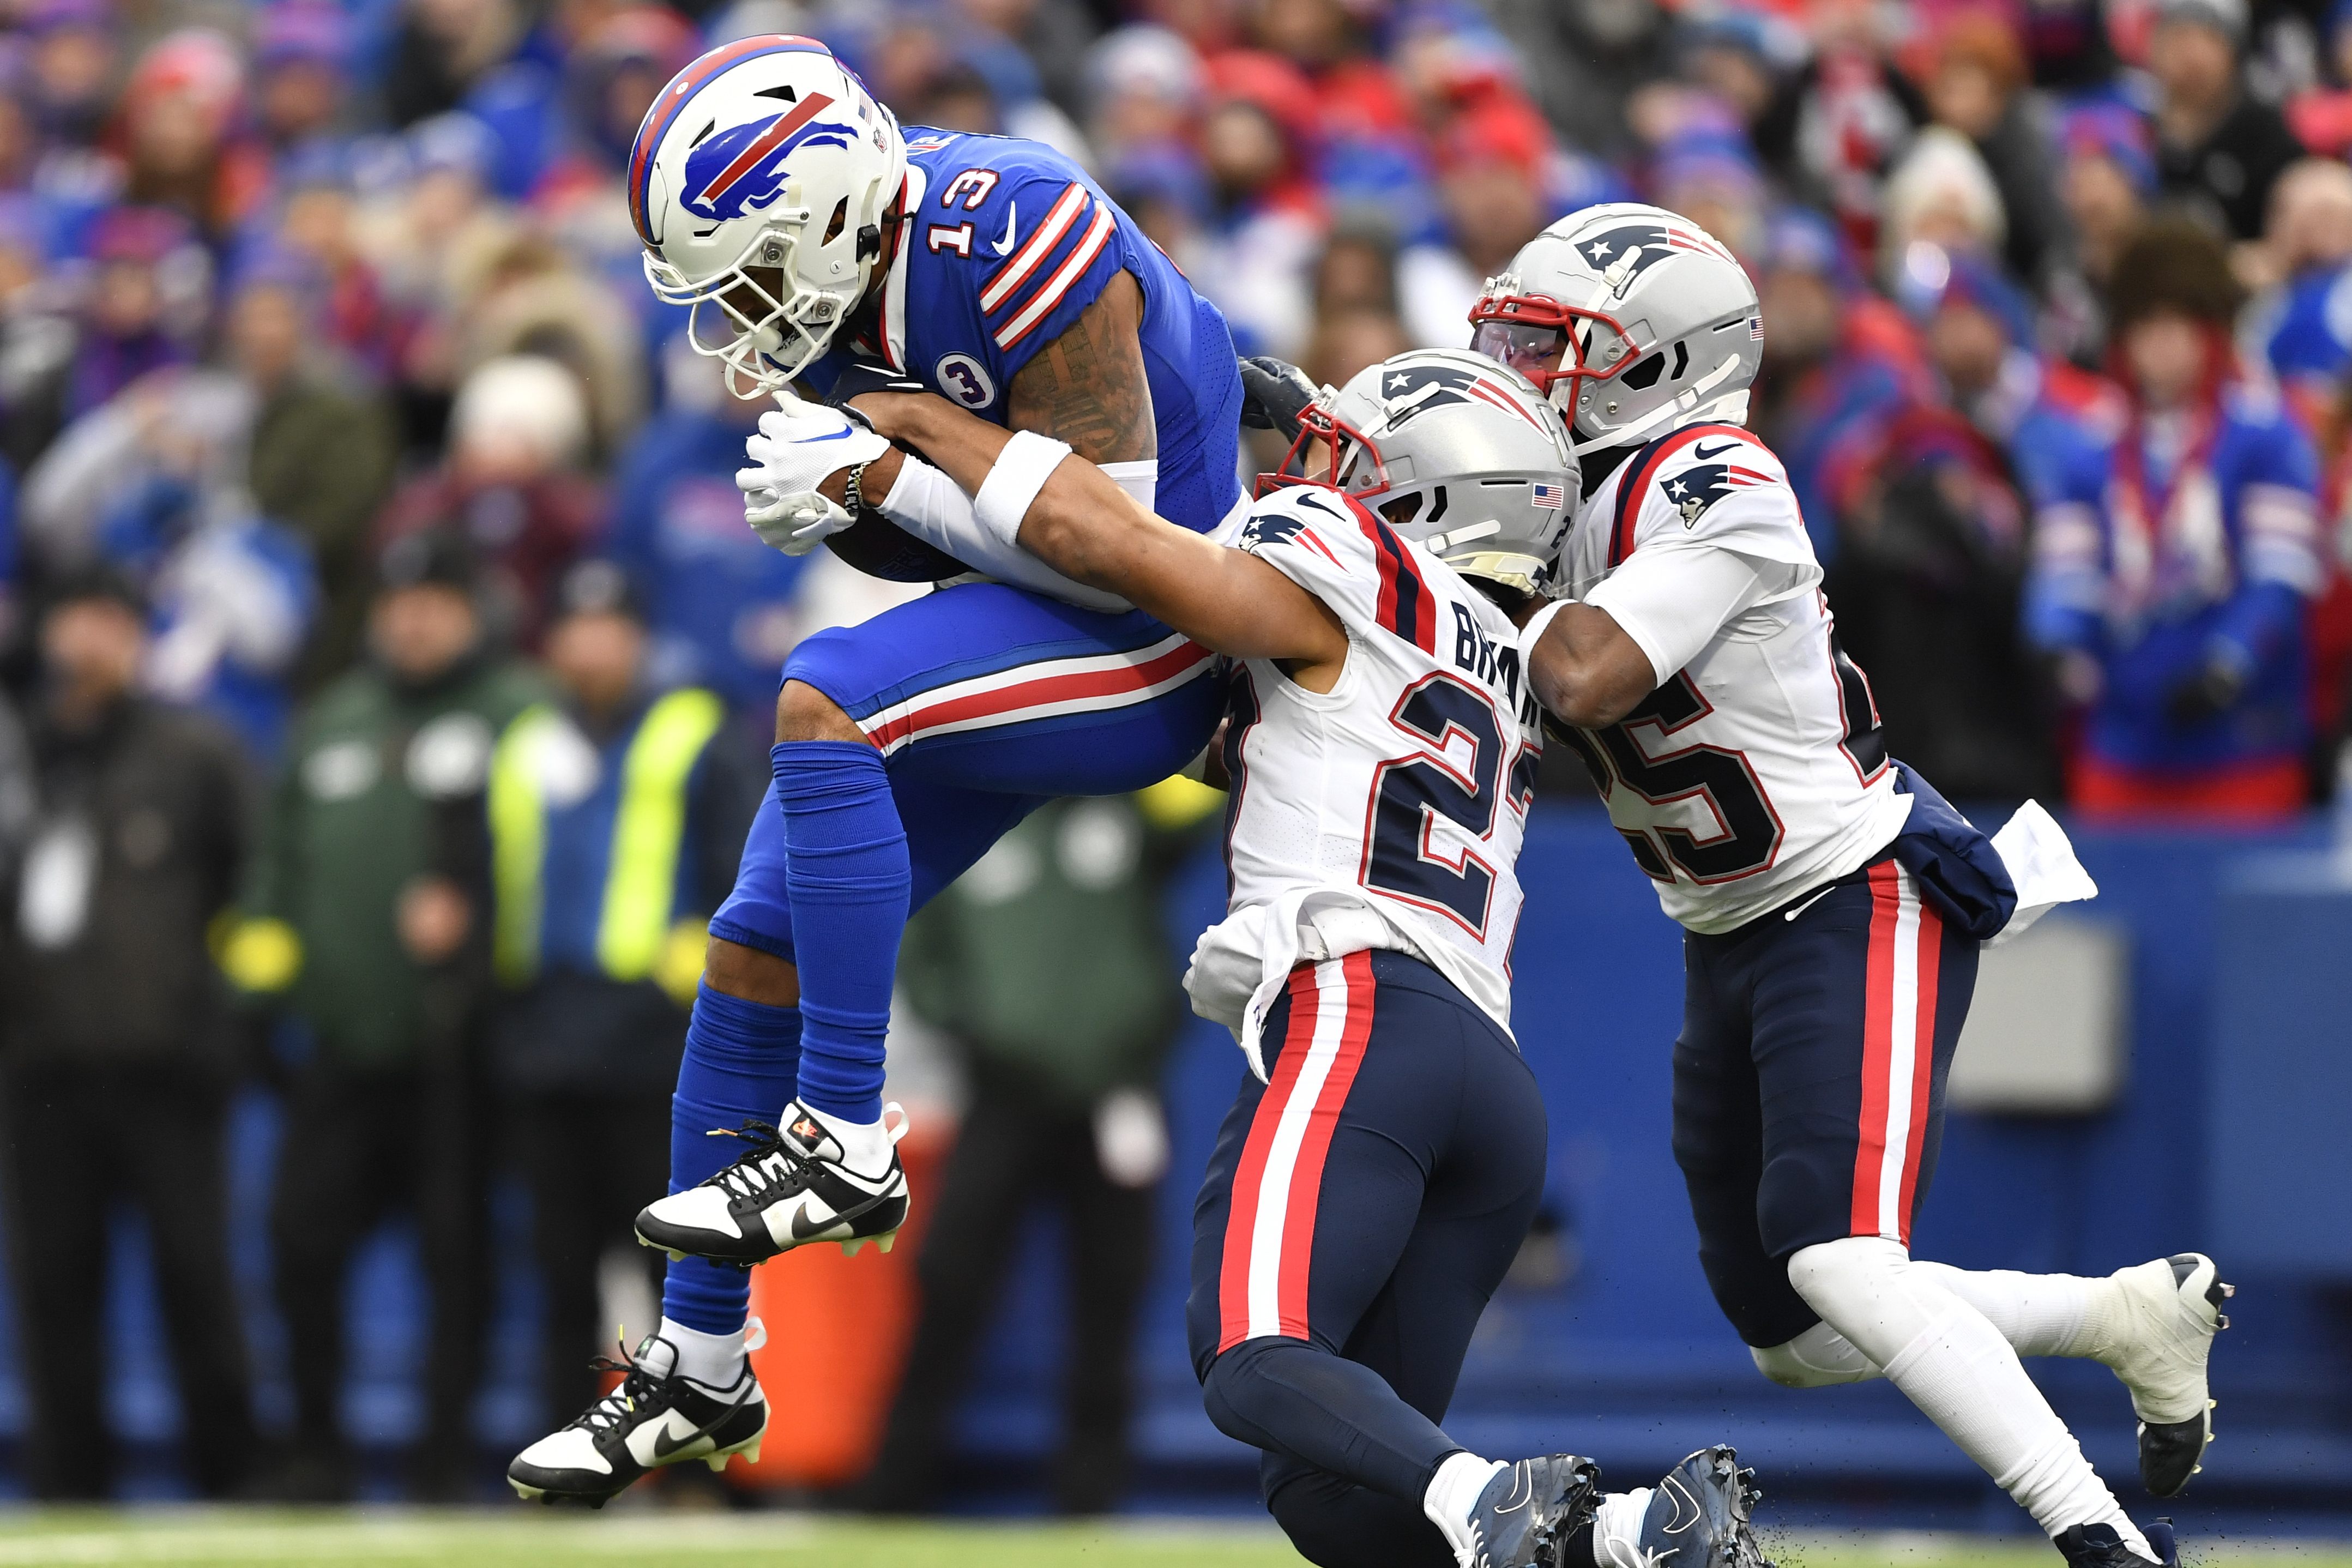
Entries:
{"x":1838,"y":124}
{"x":2321,"y":115}
{"x":179,"y":133}
{"x":1490,"y":189}
{"x":1355,"y":95}
{"x":1837,"y":358}
{"x":1257,"y":142}
{"x":2170,"y":578}
{"x":147,"y":264}
{"x":2106,"y":176}
{"x":1144,"y":85}
{"x":1977,"y":87}
{"x":120,"y":1051}
{"x":2218,"y":148}
{"x":1208,"y":25}
{"x":73,"y":68}
{"x":322,"y":445}
{"x":511,"y":485}
{"x":300,"y":48}
{"x":2301,"y":325}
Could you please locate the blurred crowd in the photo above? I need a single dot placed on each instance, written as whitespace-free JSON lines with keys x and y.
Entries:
{"x":379,"y":630}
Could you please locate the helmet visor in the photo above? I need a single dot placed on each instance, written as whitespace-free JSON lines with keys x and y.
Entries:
{"x":1548,"y":342}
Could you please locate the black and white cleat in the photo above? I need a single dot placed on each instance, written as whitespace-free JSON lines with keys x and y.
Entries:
{"x":789,"y":1188}
{"x":2174,"y":1310}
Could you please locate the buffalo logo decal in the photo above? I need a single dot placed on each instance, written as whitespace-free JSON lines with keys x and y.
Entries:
{"x":743,"y":167}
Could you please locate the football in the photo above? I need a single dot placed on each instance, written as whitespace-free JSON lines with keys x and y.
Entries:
{"x":881,"y":548}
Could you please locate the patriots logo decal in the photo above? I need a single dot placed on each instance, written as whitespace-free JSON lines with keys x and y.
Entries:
{"x":1276,"y":528}
{"x":1697,"y":487}
{"x":1417,"y":388}
{"x":1623,"y":254}
{"x":743,"y":167}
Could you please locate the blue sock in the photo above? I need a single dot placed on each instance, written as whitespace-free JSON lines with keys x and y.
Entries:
{"x":741,"y":1061}
{"x":850,"y":877}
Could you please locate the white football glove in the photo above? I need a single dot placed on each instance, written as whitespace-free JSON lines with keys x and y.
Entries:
{"x":799,"y":447}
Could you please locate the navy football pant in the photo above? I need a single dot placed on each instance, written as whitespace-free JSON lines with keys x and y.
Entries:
{"x":981,"y":701}
{"x":1358,"y":1213}
{"x":1809,"y":1083}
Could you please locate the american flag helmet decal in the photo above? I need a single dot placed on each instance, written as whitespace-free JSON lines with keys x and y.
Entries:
{"x":1550,"y":497}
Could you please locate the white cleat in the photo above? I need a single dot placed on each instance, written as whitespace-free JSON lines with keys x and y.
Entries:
{"x":2171,"y":1310}
{"x":789,"y":1188}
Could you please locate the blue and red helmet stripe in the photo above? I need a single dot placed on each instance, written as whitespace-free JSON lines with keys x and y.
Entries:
{"x":680,"y":92}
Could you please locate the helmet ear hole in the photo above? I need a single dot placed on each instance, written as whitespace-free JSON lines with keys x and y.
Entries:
{"x":1645,"y":374}
{"x":840,"y":221}
{"x":1403,"y":510}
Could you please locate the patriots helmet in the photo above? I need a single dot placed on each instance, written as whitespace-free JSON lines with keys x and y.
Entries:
{"x":1633,"y":320}
{"x":758,"y":183}
{"x":1460,"y":454}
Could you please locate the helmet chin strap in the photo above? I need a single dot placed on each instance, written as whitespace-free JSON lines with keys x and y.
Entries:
{"x":1691,"y":406}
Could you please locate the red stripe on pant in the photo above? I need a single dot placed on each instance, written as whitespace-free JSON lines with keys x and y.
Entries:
{"x":1886,"y":997}
{"x":1299,"y":1194}
{"x":1923,"y":1067}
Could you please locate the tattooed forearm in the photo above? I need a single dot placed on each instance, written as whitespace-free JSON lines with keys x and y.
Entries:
{"x":1087,"y":387}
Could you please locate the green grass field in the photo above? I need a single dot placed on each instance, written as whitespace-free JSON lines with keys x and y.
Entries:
{"x":490,"y":1539}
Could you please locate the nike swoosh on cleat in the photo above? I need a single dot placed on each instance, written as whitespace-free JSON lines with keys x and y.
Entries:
{"x":665,"y":1446}
{"x":803,"y":1231}
{"x":1004,"y":246}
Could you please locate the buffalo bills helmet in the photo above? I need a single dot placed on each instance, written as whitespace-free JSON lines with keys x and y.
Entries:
{"x":1460,"y":454}
{"x":758,"y":183}
{"x":1632,"y":319}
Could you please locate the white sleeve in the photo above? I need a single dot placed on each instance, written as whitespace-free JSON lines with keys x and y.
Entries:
{"x":1673,"y":600}
{"x":931,"y":506}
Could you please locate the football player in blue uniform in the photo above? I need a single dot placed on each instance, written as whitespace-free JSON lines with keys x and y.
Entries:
{"x":816,"y":243}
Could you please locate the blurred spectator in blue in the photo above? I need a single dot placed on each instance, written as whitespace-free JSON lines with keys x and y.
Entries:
{"x":148,"y":274}
{"x":442,"y":48}
{"x":1980,"y":332}
{"x":2107,"y":178}
{"x":316,"y":220}
{"x":1490,"y":170}
{"x":1706,"y":170}
{"x":1836,"y":357}
{"x":1144,"y":87}
{"x":1837,"y":125}
{"x":73,"y":69}
{"x":718,"y":603}
{"x":1050,"y":37}
{"x":299,"y":53}
{"x":511,"y":486}
{"x":1163,"y":188}
{"x":2171,"y":580}
{"x":2301,"y":327}
{"x":320,"y":456}
{"x":934,"y":68}
{"x":181,"y":137}
{"x":1257,"y":143}
{"x":38,"y":336}
{"x":2218,"y":148}
{"x":233,"y":597}
{"x":1976,"y":86}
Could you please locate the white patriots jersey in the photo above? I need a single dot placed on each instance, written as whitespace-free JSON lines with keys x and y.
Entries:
{"x":1395,"y":802}
{"x":1756,"y":771}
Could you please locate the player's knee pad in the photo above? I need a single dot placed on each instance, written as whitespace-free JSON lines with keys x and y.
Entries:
{"x":1820,"y":1357}
{"x":1842,"y":1278}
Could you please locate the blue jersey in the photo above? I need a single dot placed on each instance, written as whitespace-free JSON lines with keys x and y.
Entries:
{"x":1005,"y":243}
{"x":2151,"y":576}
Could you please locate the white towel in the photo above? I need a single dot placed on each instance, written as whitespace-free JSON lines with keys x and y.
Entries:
{"x":2041,"y":861}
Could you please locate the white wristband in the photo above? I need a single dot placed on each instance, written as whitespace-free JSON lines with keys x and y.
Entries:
{"x":1021,"y":471}
{"x":1532,"y":633}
